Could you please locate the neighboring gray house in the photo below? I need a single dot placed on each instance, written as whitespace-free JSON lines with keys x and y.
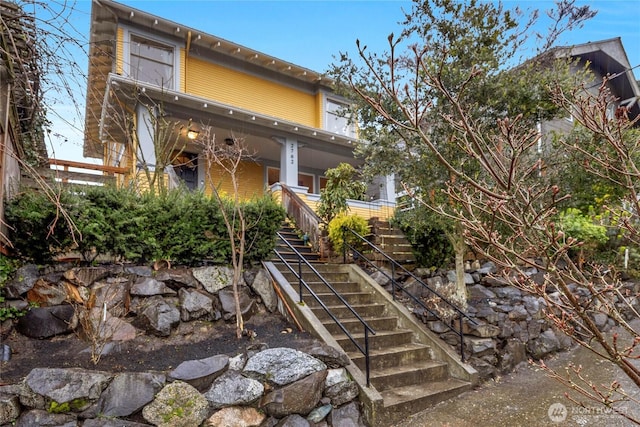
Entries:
{"x":604,"y":58}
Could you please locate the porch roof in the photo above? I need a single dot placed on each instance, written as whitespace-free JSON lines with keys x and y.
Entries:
{"x":124,"y":92}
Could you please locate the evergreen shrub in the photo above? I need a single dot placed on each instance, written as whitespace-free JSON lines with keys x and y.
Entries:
{"x":186,"y":228}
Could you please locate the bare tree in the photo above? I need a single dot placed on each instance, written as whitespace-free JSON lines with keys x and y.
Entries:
{"x":509,"y":215}
{"x":227,"y":157}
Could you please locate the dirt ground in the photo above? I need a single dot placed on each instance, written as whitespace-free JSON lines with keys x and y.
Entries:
{"x":193,"y":340}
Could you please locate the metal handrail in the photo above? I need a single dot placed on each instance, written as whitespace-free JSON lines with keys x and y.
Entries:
{"x":301,"y":282}
{"x":394,"y":285}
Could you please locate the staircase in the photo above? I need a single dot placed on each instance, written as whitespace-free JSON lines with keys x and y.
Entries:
{"x":291,"y":235}
{"x":391,"y":240}
{"x":410,"y":368}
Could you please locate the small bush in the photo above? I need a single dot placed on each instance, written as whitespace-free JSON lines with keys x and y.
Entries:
{"x":582,"y":228}
{"x":342,"y":222}
{"x":430,"y":244}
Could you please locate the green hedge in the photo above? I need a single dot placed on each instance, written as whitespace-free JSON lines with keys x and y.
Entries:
{"x":184,"y":227}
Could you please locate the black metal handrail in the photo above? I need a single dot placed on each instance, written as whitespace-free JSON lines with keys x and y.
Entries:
{"x":303,"y":284}
{"x":394,"y":285}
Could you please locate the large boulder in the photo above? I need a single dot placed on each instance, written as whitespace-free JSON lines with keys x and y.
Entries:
{"x":339,"y":388}
{"x":200,"y":373}
{"x":281,"y":366}
{"x":128,"y":393}
{"x":546,"y":343}
{"x":177,"y":405}
{"x":262,"y":285}
{"x":111,"y":422}
{"x":86,"y":276}
{"x":293,"y":420}
{"x":157,"y":317}
{"x":346,"y":415}
{"x":148,"y":287}
{"x":196,"y":305}
{"x":114,"y":292}
{"x":46,"y":322}
{"x":227,"y":300}
{"x":9,"y":408}
{"x":22,"y":282}
{"x":103,"y":327}
{"x":299,"y":397}
{"x":46,"y":294}
{"x":75,"y":387}
{"x":236,"y":416}
{"x":331,"y":356}
{"x":232,"y":389}
{"x":214,"y":278}
{"x":42,"y":418}
{"x":177,"y":278}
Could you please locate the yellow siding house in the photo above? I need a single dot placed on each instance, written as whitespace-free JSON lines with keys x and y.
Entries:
{"x":160,"y":93}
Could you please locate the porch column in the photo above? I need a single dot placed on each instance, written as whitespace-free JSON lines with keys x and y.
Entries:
{"x":390,"y":188}
{"x":145,"y":124}
{"x":288,"y":161}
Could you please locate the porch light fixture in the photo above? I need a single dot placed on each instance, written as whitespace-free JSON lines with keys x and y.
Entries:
{"x":192,"y":134}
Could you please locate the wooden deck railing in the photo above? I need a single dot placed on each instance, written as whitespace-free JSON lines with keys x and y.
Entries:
{"x":76,"y":173}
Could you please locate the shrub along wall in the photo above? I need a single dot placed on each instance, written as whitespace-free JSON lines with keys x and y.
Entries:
{"x":185,"y":227}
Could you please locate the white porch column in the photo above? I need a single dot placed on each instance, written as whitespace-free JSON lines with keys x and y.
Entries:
{"x":146,"y":153}
{"x":288,"y":161}
{"x":390,"y":187}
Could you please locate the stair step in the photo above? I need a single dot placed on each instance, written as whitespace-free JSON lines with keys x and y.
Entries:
{"x":330,"y":299}
{"x":401,"y":355}
{"x":312,"y":277}
{"x":342,"y":312}
{"x":340,"y":287}
{"x":415,"y":398}
{"x":387,"y":323}
{"x":381,"y":340}
{"x":416,"y":373}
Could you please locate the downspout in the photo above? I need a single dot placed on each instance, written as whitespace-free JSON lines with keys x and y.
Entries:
{"x":186,"y":56}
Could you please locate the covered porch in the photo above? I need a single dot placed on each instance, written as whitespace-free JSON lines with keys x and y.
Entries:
{"x":277,"y":152}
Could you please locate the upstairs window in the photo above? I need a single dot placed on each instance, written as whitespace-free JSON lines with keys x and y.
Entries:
{"x":152,"y":62}
{"x":337,"y":119}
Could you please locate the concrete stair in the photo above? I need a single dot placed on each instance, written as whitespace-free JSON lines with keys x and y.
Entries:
{"x":391,"y":240}
{"x":291,"y":235}
{"x":404,"y":368}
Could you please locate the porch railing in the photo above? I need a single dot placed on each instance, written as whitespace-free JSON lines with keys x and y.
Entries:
{"x":296,"y":268}
{"x":397,"y":267}
{"x":75,"y":173}
{"x":305,"y":218}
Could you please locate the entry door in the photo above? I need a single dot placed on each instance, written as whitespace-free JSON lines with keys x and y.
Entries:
{"x":186,"y":168}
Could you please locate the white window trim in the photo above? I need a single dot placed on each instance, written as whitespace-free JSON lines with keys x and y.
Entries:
{"x":336,"y":100}
{"x":126,"y":52}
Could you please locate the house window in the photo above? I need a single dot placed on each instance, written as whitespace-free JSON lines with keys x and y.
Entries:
{"x":151,"y":62}
{"x":337,"y":119}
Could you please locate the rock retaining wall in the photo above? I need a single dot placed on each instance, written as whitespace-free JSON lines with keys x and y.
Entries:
{"x":511,"y":324}
{"x":280,"y":386}
{"x":272,"y":387}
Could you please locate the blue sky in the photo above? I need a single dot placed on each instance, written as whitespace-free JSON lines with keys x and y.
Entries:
{"x":310,"y":33}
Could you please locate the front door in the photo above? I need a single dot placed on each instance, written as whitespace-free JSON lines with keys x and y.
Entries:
{"x":186,"y":168}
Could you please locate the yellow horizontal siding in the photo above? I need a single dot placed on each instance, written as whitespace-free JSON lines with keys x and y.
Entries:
{"x":120,"y":51}
{"x":383,"y":212}
{"x":250,"y":177}
{"x":249,"y":92}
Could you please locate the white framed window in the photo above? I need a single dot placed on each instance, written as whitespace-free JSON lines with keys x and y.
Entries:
{"x":337,"y":118}
{"x":151,"y":61}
